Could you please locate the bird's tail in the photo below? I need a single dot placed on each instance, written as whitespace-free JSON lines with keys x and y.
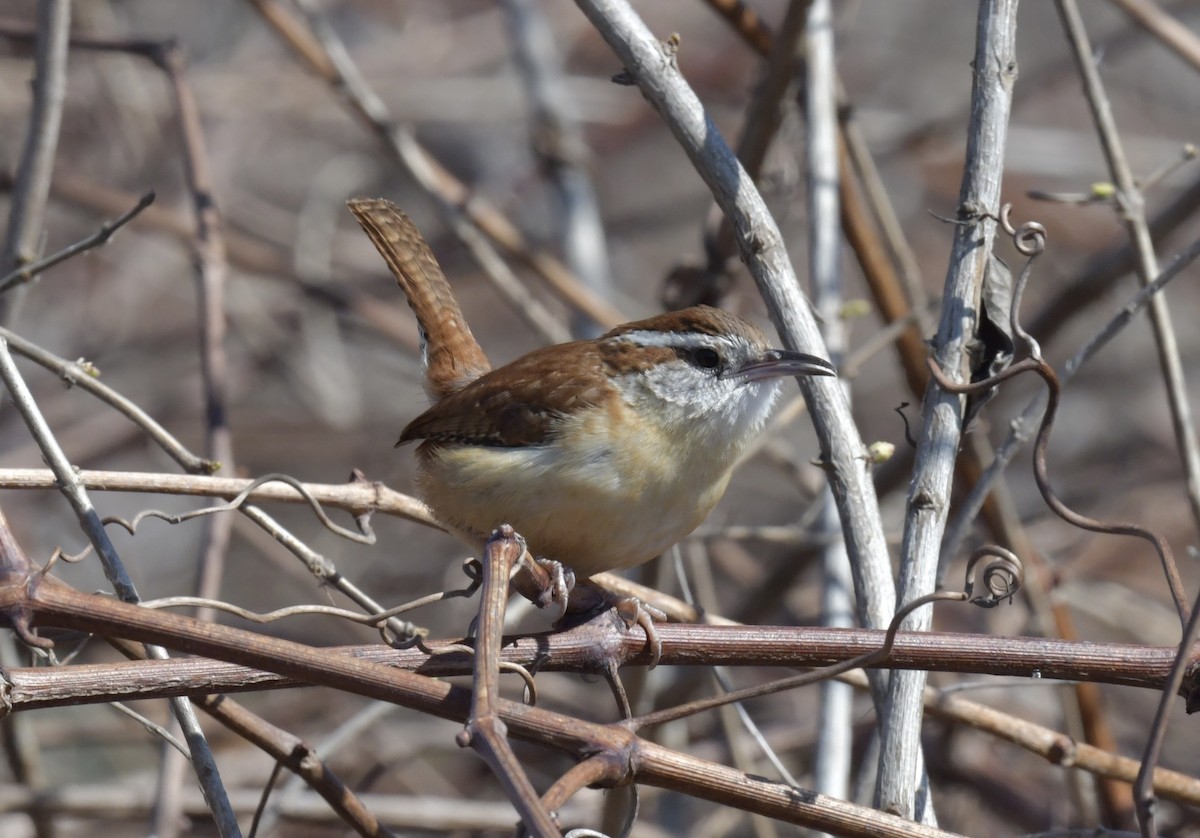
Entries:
{"x":452,"y":357}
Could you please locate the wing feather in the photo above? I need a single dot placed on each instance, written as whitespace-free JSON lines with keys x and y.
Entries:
{"x":519,"y":404}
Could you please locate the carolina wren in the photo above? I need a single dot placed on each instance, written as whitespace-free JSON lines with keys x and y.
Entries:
{"x":602,"y":453}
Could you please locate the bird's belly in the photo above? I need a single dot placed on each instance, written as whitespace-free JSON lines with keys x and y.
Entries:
{"x":584,"y":504}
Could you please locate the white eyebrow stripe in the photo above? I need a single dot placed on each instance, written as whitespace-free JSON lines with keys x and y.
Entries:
{"x":671,"y":339}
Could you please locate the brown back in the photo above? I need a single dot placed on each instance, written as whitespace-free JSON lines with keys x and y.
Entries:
{"x":452,"y":356}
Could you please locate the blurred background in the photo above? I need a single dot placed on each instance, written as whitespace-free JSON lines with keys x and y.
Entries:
{"x":323,"y":373}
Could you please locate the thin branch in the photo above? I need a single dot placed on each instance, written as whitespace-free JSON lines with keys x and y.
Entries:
{"x":1158,"y":22}
{"x":28,"y":209}
{"x":358,"y":496}
{"x":211,"y":272}
{"x":326,"y":55}
{"x":1131,"y":204}
{"x":25,"y":274}
{"x":929,"y":492}
{"x":83,"y":375}
{"x":559,"y":145}
{"x":832,"y":765}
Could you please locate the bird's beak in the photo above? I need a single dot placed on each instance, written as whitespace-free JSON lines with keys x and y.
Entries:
{"x":781,"y":362}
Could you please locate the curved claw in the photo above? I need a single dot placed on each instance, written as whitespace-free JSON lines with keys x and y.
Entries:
{"x":562,"y":582}
{"x":635,"y":612}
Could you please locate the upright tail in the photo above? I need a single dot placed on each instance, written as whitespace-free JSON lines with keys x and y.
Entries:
{"x":451,"y":356}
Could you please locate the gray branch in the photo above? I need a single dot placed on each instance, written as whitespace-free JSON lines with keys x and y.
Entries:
{"x":995,"y":72}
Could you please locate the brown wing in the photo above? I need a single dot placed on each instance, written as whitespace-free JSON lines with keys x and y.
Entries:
{"x":520,"y":403}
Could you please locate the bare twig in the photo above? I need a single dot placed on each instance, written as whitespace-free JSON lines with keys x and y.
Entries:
{"x":325,"y":570}
{"x":22,"y":242}
{"x":1158,"y":22}
{"x":831,"y":769}
{"x":211,"y":270}
{"x":929,"y":493}
{"x":558,"y":143}
{"x":67,"y":480}
{"x":83,"y":375}
{"x":28,"y":209}
{"x":1131,"y":204}
{"x":724,"y":644}
{"x":358,"y":496}
{"x":362,"y":535}
{"x":25,"y":274}
{"x":485,"y":731}
{"x":326,"y":55}
{"x":1143,"y":788}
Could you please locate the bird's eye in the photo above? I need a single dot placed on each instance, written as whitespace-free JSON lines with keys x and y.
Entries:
{"x":706,"y":358}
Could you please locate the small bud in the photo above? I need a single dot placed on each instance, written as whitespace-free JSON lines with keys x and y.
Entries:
{"x":880,"y":452}
{"x":854,"y":309}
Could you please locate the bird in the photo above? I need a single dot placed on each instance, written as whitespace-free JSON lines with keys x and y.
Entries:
{"x":601,"y":453}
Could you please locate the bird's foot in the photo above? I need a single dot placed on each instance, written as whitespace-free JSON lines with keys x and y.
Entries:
{"x":588,"y":600}
{"x":545,"y":582}
{"x":634,"y":612}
